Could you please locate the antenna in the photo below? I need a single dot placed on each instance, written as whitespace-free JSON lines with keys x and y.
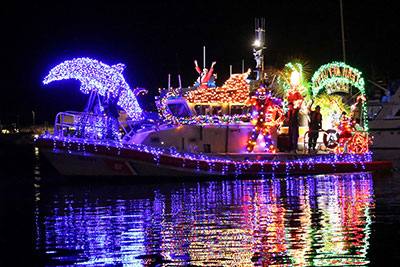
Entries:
{"x":259,"y":46}
{"x":204,"y":57}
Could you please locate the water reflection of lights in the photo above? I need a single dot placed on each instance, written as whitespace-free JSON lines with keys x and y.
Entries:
{"x":322,"y":220}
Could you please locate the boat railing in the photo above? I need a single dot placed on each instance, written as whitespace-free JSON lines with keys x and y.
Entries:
{"x":359,"y":133}
{"x":83,"y":125}
{"x":305,"y":142}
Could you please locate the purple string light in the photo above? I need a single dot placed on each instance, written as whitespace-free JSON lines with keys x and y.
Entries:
{"x":98,"y":77}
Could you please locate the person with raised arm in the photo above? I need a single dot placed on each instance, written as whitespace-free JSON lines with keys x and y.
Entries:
{"x":205,"y":75}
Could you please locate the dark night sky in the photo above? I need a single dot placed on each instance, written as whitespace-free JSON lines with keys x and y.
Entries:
{"x":154,"y":38}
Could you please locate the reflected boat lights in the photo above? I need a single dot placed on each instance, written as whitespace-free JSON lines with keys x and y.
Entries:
{"x":296,"y":221}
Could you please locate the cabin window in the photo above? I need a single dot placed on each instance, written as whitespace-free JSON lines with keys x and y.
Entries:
{"x":217,"y":110}
{"x":205,"y":110}
{"x":240,"y":109}
{"x":197,"y":109}
{"x":236,"y":110}
{"x":179,"y":110}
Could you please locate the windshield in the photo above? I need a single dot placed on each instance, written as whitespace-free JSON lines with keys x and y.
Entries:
{"x":179,"y":110}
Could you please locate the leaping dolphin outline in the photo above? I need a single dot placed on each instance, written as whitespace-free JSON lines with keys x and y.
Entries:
{"x":102,"y":78}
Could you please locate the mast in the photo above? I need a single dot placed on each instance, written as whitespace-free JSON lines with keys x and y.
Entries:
{"x":258,"y":48}
{"x":204,"y":57}
{"x":342,"y":23}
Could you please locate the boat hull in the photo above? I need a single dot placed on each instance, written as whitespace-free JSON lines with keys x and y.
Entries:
{"x":93,"y":159}
{"x":92,"y":164}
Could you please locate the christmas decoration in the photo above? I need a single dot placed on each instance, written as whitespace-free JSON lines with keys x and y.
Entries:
{"x":268,"y":113}
{"x":100,"y":78}
{"x":350,"y":140}
{"x":201,"y":162}
{"x":292,"y":85}
{"x":337,"y":72}
{"x":234,"y":91}
{"x":206,"y":77}
{"x":199,"y":119}
{"x":336,"y":77}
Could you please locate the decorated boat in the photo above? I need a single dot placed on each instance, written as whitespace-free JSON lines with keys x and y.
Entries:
{"x":233,"y":129}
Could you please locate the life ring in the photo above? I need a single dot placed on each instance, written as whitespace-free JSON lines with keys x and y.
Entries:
{"x":331,"y":138}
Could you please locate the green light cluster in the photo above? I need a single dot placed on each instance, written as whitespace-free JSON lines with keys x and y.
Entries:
{"x":359,"y":83}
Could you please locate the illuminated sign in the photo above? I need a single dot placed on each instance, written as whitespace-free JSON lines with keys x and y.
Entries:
{"x":336,"y":77}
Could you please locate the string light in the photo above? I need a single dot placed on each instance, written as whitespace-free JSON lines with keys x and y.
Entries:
{"x":337,"y":72}
{"x":267,"y":114}
{"x":96,"y":76}
{"x":351,"y":140}
{"x":203,"y":163}
{"x":234,"y":91}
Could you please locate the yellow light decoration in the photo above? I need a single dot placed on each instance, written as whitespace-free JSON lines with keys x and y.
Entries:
{"x":234,"y":91}
{"x":351,"y":140}
{"x":295,"y":78}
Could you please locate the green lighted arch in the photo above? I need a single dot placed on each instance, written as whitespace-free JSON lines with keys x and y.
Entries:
{"x":337,"y":72}
{"x":340,"y":72}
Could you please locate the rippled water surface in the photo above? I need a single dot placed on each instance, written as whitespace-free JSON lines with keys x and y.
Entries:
{"x":322,"y":220}
{"x":327,"y":220}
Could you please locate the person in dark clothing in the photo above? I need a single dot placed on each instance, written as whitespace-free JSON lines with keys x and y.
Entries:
{"x":111,"y":110}
{"x":315,"y":124}
{"x":292,"y":117}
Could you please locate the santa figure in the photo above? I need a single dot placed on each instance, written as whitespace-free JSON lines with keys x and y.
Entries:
{"x":206,"y":77}
{"x":295,"y":93}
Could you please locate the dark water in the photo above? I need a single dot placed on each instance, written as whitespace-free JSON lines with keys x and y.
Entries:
{"x":327,"y":220}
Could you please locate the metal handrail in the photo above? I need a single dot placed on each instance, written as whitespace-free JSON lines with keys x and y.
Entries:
{"x":62,"y":128}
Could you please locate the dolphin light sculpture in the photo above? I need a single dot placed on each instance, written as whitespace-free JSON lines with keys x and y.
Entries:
{"x":99,"y":77}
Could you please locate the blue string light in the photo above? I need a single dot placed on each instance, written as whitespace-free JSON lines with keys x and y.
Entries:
{"x":98,"y":77}
{"x":197,"y":161}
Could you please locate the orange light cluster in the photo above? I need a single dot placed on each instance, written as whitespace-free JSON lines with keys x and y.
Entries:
{"x":295,"y":95}
{"x":268,"y":113}
{"x":234,"y":91}
{"x":351,"y":140}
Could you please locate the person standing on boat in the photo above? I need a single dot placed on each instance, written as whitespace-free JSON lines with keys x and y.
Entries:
{"x":292,"y":117}
{"x":315,"y":124}
{"x":111,"y":110}
{"x":205,"y":75}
